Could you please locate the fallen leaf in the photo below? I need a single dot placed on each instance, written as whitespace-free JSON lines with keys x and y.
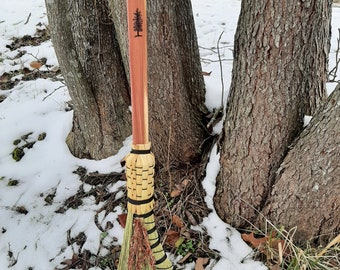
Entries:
{"x":185,"y":233}
{"x":21,"y":210}
{"x":267,"y":241}
{"x":26,"y":71}
{"x":200,"y":263}
{"x":185,"y":182}
{"x":108,"y":225}
{"x":191,"y":218}
{"x":179,"y":188}
{"x":5,"y":78}
{"x":175,"y":193}
{"x":204,"y":73}
{"x":35,"y":64}
{"x":172,"y":237}
{"x":177,"y":221}
{"x":122,"y":220}
{"x":257,"y":243}
{"x":179,"y":242}
{"x":67,"y":262}
{"x":70,"y":262}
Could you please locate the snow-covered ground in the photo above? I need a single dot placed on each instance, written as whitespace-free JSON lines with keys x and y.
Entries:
{"x":32,"y":234}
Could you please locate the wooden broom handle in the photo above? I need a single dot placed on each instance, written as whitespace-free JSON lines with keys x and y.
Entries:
{"x":137,"y":33}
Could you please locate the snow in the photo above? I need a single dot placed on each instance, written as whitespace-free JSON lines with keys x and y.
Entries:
{"x":38,"y":239}
{"x":235,"y":254}
{"x":212,"y":19}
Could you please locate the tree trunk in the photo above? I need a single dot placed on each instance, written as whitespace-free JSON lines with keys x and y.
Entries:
{"x":307,"y":188}
{"x":118,"y":14}
{"x":88,"y":52}
{"x":176,"y":86}
{"x":98,"y":87}
{"x":280,"y":55}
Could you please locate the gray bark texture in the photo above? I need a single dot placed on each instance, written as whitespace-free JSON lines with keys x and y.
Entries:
{"x":280,"y":59}
{"x":88,"y":53}
{"x":176,"y":86}
{"x":118,"y":14}
{"x":307,"y":186}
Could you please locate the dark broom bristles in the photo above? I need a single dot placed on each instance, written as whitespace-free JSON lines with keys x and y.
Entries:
{"x":140,"y":255}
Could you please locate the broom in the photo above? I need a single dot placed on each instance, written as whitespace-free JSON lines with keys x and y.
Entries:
{"x":141,"y":247}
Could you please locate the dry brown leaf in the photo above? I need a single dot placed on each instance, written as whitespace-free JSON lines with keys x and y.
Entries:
{"x":26,"y":71}
{"x":191,"y":218}
{"x":200,"y":262}
{"x":204,"y":73}
{"x":185,"y":182}
{"x":266,"y":241}
{"x":5,"y":78}
{"x":179,"y":188}
{"x":185,"y":233}
{"x":67,"y":262}
{"x":172,"y":237}
{"x":35,"y":64}
{"x":122,"y":220}
{"x":175,"y":193}
{"x":177,"y":221}
{"x":255,"y":242}
{"x":71,"y":262}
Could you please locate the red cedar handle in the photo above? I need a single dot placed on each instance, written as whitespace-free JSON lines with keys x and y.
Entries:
{"x":137,"y":33}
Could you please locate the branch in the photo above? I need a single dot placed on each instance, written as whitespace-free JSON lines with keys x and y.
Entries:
{"x":334,"y":71}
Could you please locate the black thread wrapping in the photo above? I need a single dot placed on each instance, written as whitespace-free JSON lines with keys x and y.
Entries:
{"x":152,"y":230}
{"x":146,"y":215}
{"x":161,"y":260}
{"x":155,"y":244}
{"x":140,"y":152}
{"x":135,"y":202}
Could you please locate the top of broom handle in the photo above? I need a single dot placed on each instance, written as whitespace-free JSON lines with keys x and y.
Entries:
{"x":137,"y":33}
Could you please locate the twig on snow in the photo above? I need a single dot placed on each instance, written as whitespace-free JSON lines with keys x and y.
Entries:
{"x":28,"y":18}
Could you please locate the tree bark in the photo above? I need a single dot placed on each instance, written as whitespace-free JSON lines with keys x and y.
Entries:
{"x":315,"y":31}
{"x":307,"y":188}
{"x":93,"y":55}
{"x":176,"y":86}
{"x":88,"y":53}
{"x":279,"y":73}
{"x":118,"y":14}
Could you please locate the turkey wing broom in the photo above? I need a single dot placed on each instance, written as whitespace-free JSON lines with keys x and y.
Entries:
{"x":141,"y":247}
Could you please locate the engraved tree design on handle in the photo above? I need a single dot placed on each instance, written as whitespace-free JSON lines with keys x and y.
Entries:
{"x":137,"y":22}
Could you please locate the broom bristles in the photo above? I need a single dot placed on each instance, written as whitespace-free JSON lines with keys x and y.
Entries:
{"x":125,"y":250}
{"x":140,"y":257}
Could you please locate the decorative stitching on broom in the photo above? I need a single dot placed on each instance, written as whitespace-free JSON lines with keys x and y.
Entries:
{"x":141,"y":247}
{"x":140,"y":180}
{"x":145,"y":251}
